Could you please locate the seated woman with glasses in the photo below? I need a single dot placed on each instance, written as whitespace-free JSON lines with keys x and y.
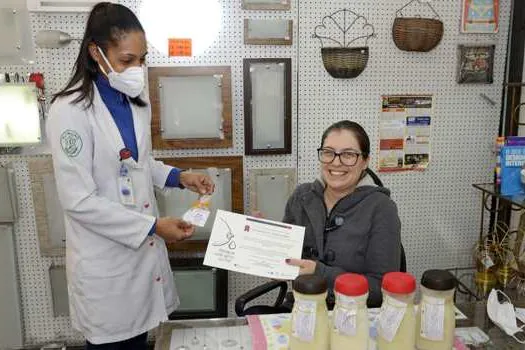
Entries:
{"x":352,"y":225}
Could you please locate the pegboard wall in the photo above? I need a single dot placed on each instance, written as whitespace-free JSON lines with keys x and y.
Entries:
{"x":439,"y":209}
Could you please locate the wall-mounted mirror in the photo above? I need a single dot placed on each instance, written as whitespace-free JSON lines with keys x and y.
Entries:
{"x":20,"y":122}
{"x":267,"y":106}
{"x":191,"y":107}
{"x":58,"y":283}
{"x":175,"y":202}
{"x":48,"y":211}
{"x":282,"y":5}
{"x":268,"y":31}
{"x":270,"y":190}
{"x":223,"y":169}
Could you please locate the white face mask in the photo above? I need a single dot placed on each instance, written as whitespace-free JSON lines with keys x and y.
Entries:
{"x":503,"y":314}
{"x":130,"y":82}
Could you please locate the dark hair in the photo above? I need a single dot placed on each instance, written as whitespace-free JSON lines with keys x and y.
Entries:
{"x":106,"y":24}
{"x":358,"y":131}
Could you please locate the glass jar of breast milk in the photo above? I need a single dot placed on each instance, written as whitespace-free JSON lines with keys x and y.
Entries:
{"x":349,"y":327}
{"x":309,"y":329}
{"x":397,"y":320}
{"x":435,"y":321}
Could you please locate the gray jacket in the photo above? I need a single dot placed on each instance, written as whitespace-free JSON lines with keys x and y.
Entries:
{"x":361,"y":234}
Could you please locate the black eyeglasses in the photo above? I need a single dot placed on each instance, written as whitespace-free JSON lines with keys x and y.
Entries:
{"x":348,"y":158}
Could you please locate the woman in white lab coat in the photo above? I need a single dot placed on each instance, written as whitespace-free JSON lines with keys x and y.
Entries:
{"x":119,"y":278}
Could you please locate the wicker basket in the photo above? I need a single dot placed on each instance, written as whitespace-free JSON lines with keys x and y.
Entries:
{"x":344,"y":62}
{"x":417,"y":34}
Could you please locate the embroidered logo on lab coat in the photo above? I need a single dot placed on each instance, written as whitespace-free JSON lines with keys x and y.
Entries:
{"x":71,"y":143}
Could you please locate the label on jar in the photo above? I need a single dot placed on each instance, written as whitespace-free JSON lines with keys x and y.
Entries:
{"x":345,"y":316}
{"x":390,"y":317}
{"x":433,"y":318}
{"x":303,"y":320}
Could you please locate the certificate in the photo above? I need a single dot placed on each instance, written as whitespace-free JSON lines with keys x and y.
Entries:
{"x":254,"y":246}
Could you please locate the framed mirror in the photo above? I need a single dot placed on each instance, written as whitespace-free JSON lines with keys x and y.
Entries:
{"x":228,"y":167}
{"x":175,"y":202}
{"x":191,"y":107}
{"x":267,"y":106}
{"x":203,"y":290}
{"x":270,"y":190}
{"x":282,"y":5}
{"x":268,"y":31}
{"x":58,"y":282}
{"x":48,"y":211}
{"x":20,"y":123}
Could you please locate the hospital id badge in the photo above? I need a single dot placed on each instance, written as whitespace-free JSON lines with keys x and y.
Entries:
{"x":125,"y":186}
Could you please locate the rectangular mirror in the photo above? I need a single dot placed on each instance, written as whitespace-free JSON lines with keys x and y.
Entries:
{"x":267,"y":106}
{"x":20,"y":122}
{"x":175,"y":202}
{"x":9,"y":202}
{"x":270,"y":190}
{"x":191,"y":107}
{"x":282,"y":5}
{"x":48,"y":211}
{"x":58,"y":281}
{"x":268,"y":31}
{"x":227,"y":172}
{"x":11,"y":334}
{"x":16,"y":44}
{"x":203,"y":291}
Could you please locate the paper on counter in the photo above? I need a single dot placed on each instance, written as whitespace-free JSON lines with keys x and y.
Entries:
{"x":254,"y":246}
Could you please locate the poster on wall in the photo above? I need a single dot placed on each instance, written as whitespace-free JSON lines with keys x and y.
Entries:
{"x":404,"y":132}
{"x":480,"y":16}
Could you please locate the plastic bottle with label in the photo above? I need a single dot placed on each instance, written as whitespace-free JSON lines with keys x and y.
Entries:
{"x":435,"y":321}
{"x":349,"y":327}
{"x":396,"y":326}
{"x":309,"y":329}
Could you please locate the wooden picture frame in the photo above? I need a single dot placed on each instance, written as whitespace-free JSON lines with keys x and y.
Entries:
{"x":48,"y":212}
{"x":280,"y":5}
{"x":179,"y":77}
{"x":267,"y":84}
{"x":268,"y":31}
{"x":235,"y":163}
{"x":271,"y":200}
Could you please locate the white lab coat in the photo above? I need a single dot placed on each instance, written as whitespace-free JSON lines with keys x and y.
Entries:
{"x":119,"y":280}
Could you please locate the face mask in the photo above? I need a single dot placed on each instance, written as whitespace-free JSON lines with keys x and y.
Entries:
{"x":503,"y":314}
{"x":130,"y":82}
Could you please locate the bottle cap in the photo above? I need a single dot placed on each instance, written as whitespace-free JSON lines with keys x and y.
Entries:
{"x":351,"y":284}
{"x":399,"y":283}
{"x":438,"y":280}
{"x":309,"y":284}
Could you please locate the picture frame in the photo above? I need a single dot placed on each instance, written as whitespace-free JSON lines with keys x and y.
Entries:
{"x":267,"y":106}
{"x":480,"y":16}
{"x":48,"y":211}
{"x":235,"y":164}
{"x":191,"y":107}
{"x":279,"y":5}
{"x":270,"y":190}
{"x":475,"y":64}
{"x":268,"y":31}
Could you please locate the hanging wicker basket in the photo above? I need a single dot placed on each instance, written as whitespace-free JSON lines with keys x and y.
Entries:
{"x":417,"y":34}
{"x":344,"y":62}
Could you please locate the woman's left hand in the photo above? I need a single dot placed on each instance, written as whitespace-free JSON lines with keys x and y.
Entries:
{"x":306,"y":267}
{"x":199,"y":183}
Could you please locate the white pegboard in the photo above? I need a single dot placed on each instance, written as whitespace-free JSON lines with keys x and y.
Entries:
{"x":439,"y":209}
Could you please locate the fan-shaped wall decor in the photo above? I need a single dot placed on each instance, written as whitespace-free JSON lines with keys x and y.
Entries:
{"x":344,"y":28}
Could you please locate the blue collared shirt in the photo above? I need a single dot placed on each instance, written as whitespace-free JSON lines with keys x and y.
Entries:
{"x":120,"y":109}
